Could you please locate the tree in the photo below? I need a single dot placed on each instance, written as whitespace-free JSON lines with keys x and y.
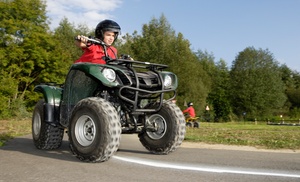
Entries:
{"x":256,"y":85}
{"x":65,"y":51}
{"x":65,"y":34}
{"x":291,"y":80}
{"x":25,"y":48}
{"x":218,"y":97}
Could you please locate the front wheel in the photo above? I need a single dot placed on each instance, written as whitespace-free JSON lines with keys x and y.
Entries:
{"x":94,"y":130}
{"x":169,"y":130}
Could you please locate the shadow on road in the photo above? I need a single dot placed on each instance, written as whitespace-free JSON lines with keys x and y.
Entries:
{"x":24,"y":144}
{"x":133,"y":151}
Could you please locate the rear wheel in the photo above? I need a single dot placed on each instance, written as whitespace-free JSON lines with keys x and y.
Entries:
{"x":196,"y":124}
{"x":94,"y":130}
{"x":168,"y":132}
{"x":45,"y":136}
{"x":189,"y":124}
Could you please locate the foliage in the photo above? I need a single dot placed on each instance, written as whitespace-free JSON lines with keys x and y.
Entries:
{"x":25,"y":46}
{"x":219,"y":95}
{"x":31,"y":54}
{"x":65,"y":34}
{"x":295,"y":113}
{"x":218,"y":98}
{"x":291,"y":80}
{"x":256,"y":85}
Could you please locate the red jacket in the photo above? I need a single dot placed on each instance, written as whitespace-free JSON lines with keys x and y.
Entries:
{"x":95,"y":54}
{"x":191,"y":111}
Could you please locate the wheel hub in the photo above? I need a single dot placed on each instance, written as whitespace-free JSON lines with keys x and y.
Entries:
{"x":89,"y":130}
{"x":157,"y":127}
{"x":85,"y":131}
{"x":37,"y":124}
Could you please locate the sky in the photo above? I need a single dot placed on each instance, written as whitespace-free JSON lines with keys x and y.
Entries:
{"x":222,"y":28}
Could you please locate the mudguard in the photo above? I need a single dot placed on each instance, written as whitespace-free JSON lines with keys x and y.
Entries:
{"x":94,"y":70}
{"x":52,"y":96}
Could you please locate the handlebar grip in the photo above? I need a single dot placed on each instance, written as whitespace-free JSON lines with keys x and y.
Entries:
{"x":90,"y":40}
{"x":76,"y":38}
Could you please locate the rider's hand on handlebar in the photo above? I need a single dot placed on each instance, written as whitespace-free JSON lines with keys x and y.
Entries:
{"x":83,"y":40}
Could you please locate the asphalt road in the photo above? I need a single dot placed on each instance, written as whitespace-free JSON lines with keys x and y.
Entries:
{"x":21,"y":161}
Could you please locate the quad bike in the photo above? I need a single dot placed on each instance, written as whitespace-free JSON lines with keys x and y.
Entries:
{"x":99,"y":102}
{"x":192,"y":122}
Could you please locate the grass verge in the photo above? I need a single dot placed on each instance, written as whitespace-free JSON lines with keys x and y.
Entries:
{"x":12,"y":128}
{"x":246,"y":134}
{"x":234,"y":133}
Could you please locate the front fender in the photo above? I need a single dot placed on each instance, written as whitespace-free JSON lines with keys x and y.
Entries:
{"x":95,"y":71}
{"x":52,"y":96}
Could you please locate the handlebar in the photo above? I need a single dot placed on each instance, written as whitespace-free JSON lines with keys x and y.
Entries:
{"x":125,"y":59}
{"x":91,"y":40}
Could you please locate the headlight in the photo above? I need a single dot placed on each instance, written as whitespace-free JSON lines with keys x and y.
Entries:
{"x":109,"y":74}
{"x":167,"y":81}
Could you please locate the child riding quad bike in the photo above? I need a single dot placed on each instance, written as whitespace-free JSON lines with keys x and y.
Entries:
{"x":192,"y":122}
{"x":190,"y":116}
{"x":98,"y":102}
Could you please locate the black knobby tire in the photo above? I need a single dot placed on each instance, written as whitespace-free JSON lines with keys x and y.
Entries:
{"x":170,"y":122}
{"x":196,"y":124}
{"x":189,"y":124}
{"x":94,"y":130}
{"x":45,"y":136}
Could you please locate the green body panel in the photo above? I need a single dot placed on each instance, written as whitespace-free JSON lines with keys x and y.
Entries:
{"x":82,"y":81}
{"x":95,"y":71}
{"x":52,"y":94}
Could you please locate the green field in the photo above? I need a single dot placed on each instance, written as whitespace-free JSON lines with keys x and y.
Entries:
{"x":233,"y":133}
{"x":258,"y":135}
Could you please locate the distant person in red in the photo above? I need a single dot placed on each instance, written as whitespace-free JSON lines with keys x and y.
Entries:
{"x":107,"y":31}
{"x":190,"y":111}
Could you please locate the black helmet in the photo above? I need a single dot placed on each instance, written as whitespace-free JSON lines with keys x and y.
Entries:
{"x":190,"y":104}
{"x":107,"y":25}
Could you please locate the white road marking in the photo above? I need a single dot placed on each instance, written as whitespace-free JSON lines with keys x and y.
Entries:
{"x":203,"y":169}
